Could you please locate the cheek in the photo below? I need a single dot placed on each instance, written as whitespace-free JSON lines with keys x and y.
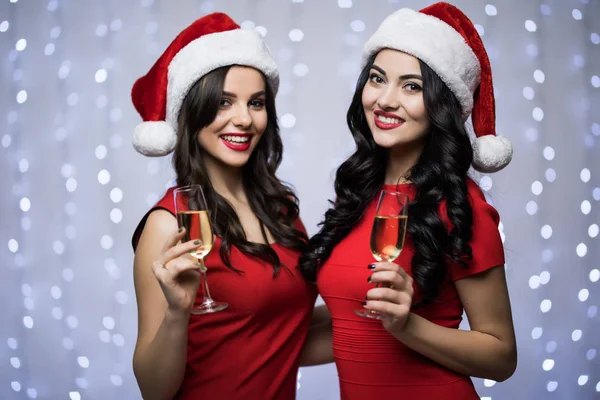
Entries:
{"x":369,"y":97}
{"x":260,"y":119}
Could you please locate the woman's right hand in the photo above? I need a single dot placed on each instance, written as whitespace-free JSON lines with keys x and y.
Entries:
{"x":178,"y":273}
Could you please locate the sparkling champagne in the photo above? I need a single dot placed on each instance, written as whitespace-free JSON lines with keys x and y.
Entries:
{"x":197,"y":227}
{"x":387,"y":237}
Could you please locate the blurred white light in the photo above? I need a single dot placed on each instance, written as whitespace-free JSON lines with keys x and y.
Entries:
{"x":52,"y":5}
{"x":491,"y":10}
{"x":344,"y":3}
{"x":534,"y":282}
{"x":15,"y":362}
{"x":288,"y":120}
{"x":550,"y":175}
{"x":116,"y":215}
{"x":116,"y":380}
{"x":103,"y":177}
{"x":26,"y":290}
{"x":537,"y":188}
{"x":585,"y":175}
{"x":296,"y":35}
{"x":22,"y":97}
{"x":67,"y":274}
{"x":72,"y":322}
{"x":100,"y":75}
{"x":486,"y":183}
{"x":300,"y":69}
{"x":595,"y":38}
{"x":68,"y":343}
{"x":57,"y":313}
{"x":548,"y":364}
{"x":531,"y":207}
{"x":118,"y":340}
{"x":32,"y":393}
{"x":530,"y":25}
{"x":13,"y":245}
{"x":28,"y":321}
{"x":116,"y":195}
{"x":116,"y":25}
{"x":16,"y":386}
{"x":49,"y":49}
{"x":576,"y":335}
{"x":4,"y":26}
{"x":578,"y":60}
{"x":488,"y":383}
{"x":357,"y":26}
{"x":81,"y":382}
{"x":581,"y":250}
{"x":12,"y":343}
{"x":528,"y":93}
{"x":83,"y":362}
{"x":549,"y":153}
{"x":546,"y":231}
{"x":108,"y":322}
{"x":537,"y":332}
{"x":538,"y":114}
{"x":577,"y":14}
{"x":6,"y":140}
{"x":55,"y":32}
{"x":262,"y":30}
{"x":551,"y":386}
{"x":539,"y":76}
{"x":71,"y":184}
{"x":60,"y":134}
{"x":545,"y":305}
{"x":594,"y":275}
{"x":544,"y":277}
{"x":21,"y":44}
{"x":101,"y":30}
{"x":595,"y":81}
{"x":104,"y":336}
{"x":586,"y":207}
{"x":115,"y":141}
{"x":58,"y":247}
{"x":582,"y":380}
{"x":551,"y":346}
{"x":592,"y":311}
{"x":106,"y":242}
{"x":583,"y":295}
{"x":73,"y":99}
{"x":56,"y":292}
{"x":121,"y":297}
{"x":591,"y":354}
{"x":480,"y":29}
{"x":25,"y":204}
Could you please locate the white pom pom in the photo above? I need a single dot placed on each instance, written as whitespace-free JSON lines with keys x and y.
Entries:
{"x":491,"y":153}
{"x":154,"y":138}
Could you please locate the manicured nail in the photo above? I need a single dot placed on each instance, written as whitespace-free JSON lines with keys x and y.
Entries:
{"x":364,"y":303}
{"x":369,"y":279}
{"x":371,"y":266}
{"x":197,"y":242}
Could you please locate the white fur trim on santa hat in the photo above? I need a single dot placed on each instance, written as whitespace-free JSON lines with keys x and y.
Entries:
{"x":434,"y":42}
{"x":207,"y":53}
{"x":491,"y":153}
{"x":154,"y":138}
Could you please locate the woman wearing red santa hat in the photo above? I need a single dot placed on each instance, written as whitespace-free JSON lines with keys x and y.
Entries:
{"x":423,"y":74}
{"x":210,"y":99}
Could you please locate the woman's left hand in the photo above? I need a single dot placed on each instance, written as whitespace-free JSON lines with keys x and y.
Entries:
{"x":393,"y":299}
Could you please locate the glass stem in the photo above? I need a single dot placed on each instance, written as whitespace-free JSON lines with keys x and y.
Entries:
{"x":206,"y":292}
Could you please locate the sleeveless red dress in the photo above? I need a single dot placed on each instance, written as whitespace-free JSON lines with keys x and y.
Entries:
{"x":250,"y":350}
{"x":371,"y":363}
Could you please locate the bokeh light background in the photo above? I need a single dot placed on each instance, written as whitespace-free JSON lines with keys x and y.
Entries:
{"x":73,"y":189}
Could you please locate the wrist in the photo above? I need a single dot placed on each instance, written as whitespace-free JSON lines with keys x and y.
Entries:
{"x":175,"y":316}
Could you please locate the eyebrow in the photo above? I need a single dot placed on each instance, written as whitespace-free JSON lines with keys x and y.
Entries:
{"x":233,"y":95}
{"x":402,"y":77}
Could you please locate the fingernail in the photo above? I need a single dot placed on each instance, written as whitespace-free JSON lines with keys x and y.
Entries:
{"x":197,"y":243}
{"x":180,"y":230}
{"x":364,"y":303}
{"x":371,"y":266}
{"x":369,"y":279}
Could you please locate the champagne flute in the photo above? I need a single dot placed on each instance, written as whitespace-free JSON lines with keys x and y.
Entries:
{"x":388,"y":232}
{"x":192,"y":214}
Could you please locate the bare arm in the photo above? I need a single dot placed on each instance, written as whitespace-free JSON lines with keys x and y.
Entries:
{"x":318,"y":345}
{"x":165,"y":282}
{"x":488,"y":350}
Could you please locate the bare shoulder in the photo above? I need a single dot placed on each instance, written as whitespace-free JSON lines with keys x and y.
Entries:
{"x":160,"y":225}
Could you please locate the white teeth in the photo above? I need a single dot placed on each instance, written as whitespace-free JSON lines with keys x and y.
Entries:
{"x":388,"y":120}
{"x":236,"y":139}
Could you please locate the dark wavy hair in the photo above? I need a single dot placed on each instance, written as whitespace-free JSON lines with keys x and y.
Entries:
{"x":440,"y":173}
{"x":274,"y":204}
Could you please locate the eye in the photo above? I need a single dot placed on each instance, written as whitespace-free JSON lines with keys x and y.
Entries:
{"x":376,"y":79}
{"x":413,"y":87}
{"x":224,"y":102}
{"x":257,"y":103}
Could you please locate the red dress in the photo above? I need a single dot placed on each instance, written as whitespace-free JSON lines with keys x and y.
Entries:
{"x":251,"y":350}
{"x":371,"y":363}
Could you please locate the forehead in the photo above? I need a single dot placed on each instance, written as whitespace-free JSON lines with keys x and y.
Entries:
{"x":397,"y":62}
{"x":243,"y":80}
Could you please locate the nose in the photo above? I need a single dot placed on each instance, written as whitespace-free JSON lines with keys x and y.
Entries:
{"x":242,"y":118}
{"x":389,"y":99}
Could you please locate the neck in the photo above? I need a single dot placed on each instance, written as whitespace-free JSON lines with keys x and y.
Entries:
{"x":400,"y":161}
{"x":226,"y":180}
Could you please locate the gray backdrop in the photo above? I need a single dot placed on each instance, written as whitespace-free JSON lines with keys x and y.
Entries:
{"x":74,"y":189}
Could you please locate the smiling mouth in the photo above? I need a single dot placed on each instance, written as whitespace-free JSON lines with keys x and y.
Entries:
{"x":389,"y":120}
{"x":235,"y":139}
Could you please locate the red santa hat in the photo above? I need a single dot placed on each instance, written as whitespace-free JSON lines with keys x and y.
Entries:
{"x":445,"y":39}
{"x":211,"y":42}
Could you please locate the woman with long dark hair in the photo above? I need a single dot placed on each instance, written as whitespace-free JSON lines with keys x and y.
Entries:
{"x":423,"y":74}
{"x":210,"y":99}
